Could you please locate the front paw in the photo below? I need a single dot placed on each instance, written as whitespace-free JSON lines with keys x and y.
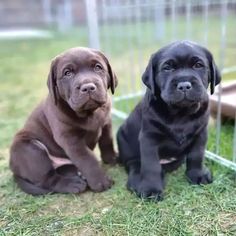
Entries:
{"x":70,"y":184}
{"x":199,"y":176}
{"x":99,"y":182}
{"x":152,"y":190}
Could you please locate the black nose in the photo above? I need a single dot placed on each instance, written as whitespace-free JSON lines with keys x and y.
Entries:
{"x":184,"y":86}
{"x":89,"y":87}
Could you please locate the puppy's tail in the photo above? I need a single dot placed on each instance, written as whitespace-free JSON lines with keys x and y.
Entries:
{"x":29,"y":187}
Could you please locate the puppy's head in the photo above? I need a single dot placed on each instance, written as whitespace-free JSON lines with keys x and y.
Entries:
{"x":81,"y":77}
{"x":180,"y":73}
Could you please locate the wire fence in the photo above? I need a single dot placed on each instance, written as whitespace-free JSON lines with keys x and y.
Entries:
{"x":135,"y":29}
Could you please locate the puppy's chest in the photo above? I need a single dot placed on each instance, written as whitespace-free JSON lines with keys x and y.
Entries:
{"x":95,"y":122}
{"x":93,"y":131}
{"x":181,"y":134}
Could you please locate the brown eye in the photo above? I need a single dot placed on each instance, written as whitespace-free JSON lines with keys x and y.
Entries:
{"x":167,"y":67}
{"x":198,"y":65}
{"x":68,"y":72}
{"x":98,"y":67}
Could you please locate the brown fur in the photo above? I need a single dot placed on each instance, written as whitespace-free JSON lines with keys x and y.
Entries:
{"x":59,"y":136}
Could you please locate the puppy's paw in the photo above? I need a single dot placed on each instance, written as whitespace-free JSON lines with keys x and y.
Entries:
{"x":78,"y":186}
{"x":150,"y":190}
{"x":202,"y":176}
{"x":100,"y":183}
{"x":71,"y":185}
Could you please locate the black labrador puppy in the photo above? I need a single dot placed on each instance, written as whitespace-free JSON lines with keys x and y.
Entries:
{"x":169,"y":125}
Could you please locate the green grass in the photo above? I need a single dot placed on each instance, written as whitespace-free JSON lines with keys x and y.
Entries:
{"x":186,"y":209}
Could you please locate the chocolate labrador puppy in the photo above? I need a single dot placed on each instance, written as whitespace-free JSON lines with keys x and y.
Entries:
{"x":169,"y":125}
{"x":59,"y":136}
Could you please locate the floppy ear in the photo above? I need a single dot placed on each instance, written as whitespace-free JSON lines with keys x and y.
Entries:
{"x":214,"y":76}
{"x":148,"y":75}
{"x":52,"y":81}
{"x":113,"y":78}
{"x":113,"y":82}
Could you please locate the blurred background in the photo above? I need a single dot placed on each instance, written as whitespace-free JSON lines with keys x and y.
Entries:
{"x":32,"y":32}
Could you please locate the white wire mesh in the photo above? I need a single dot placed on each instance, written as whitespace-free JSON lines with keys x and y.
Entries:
{"x":138,"y":28}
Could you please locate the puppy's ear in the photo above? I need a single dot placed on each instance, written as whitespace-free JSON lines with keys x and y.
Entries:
{"x":113,"y":79}
{"x":214,"y":76}
{"x":52,"y":81}
{"x":148,"y":75}
{"x":113,"y":82}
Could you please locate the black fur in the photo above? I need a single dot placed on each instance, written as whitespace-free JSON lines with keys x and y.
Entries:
{"x":171,"y":120}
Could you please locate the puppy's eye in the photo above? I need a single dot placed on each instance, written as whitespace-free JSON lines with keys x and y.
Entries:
{"x":68,"y":72}
{"x":168,"y":67}
{"x":198,"y":65}
{"x":98,"y":67}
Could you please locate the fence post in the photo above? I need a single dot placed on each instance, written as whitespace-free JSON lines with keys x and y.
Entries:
{"x":160,"y":19}
{"x":92,"y":19}
{"x":173,"y":19}
{"x":206,"y":9}
{"x":47,"y":11}
{"x":68,"y":14}
{"x":64,"y":16}
{"x":224,"y":6}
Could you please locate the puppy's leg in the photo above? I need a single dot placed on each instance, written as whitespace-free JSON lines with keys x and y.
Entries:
{"x":195,"y":171}
{"x":152,"y":175}
{"x":34,"y":173}
{"x":106,"y":146}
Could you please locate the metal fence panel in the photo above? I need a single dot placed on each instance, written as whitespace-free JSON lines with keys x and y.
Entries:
{"x":134,"y":29}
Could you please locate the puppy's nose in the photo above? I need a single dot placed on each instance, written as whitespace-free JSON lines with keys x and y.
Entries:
{"x":89,"y":87}
{"x":184,"y":86}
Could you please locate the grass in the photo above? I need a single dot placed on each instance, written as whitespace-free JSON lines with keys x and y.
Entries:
{"x":186,"y":209}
